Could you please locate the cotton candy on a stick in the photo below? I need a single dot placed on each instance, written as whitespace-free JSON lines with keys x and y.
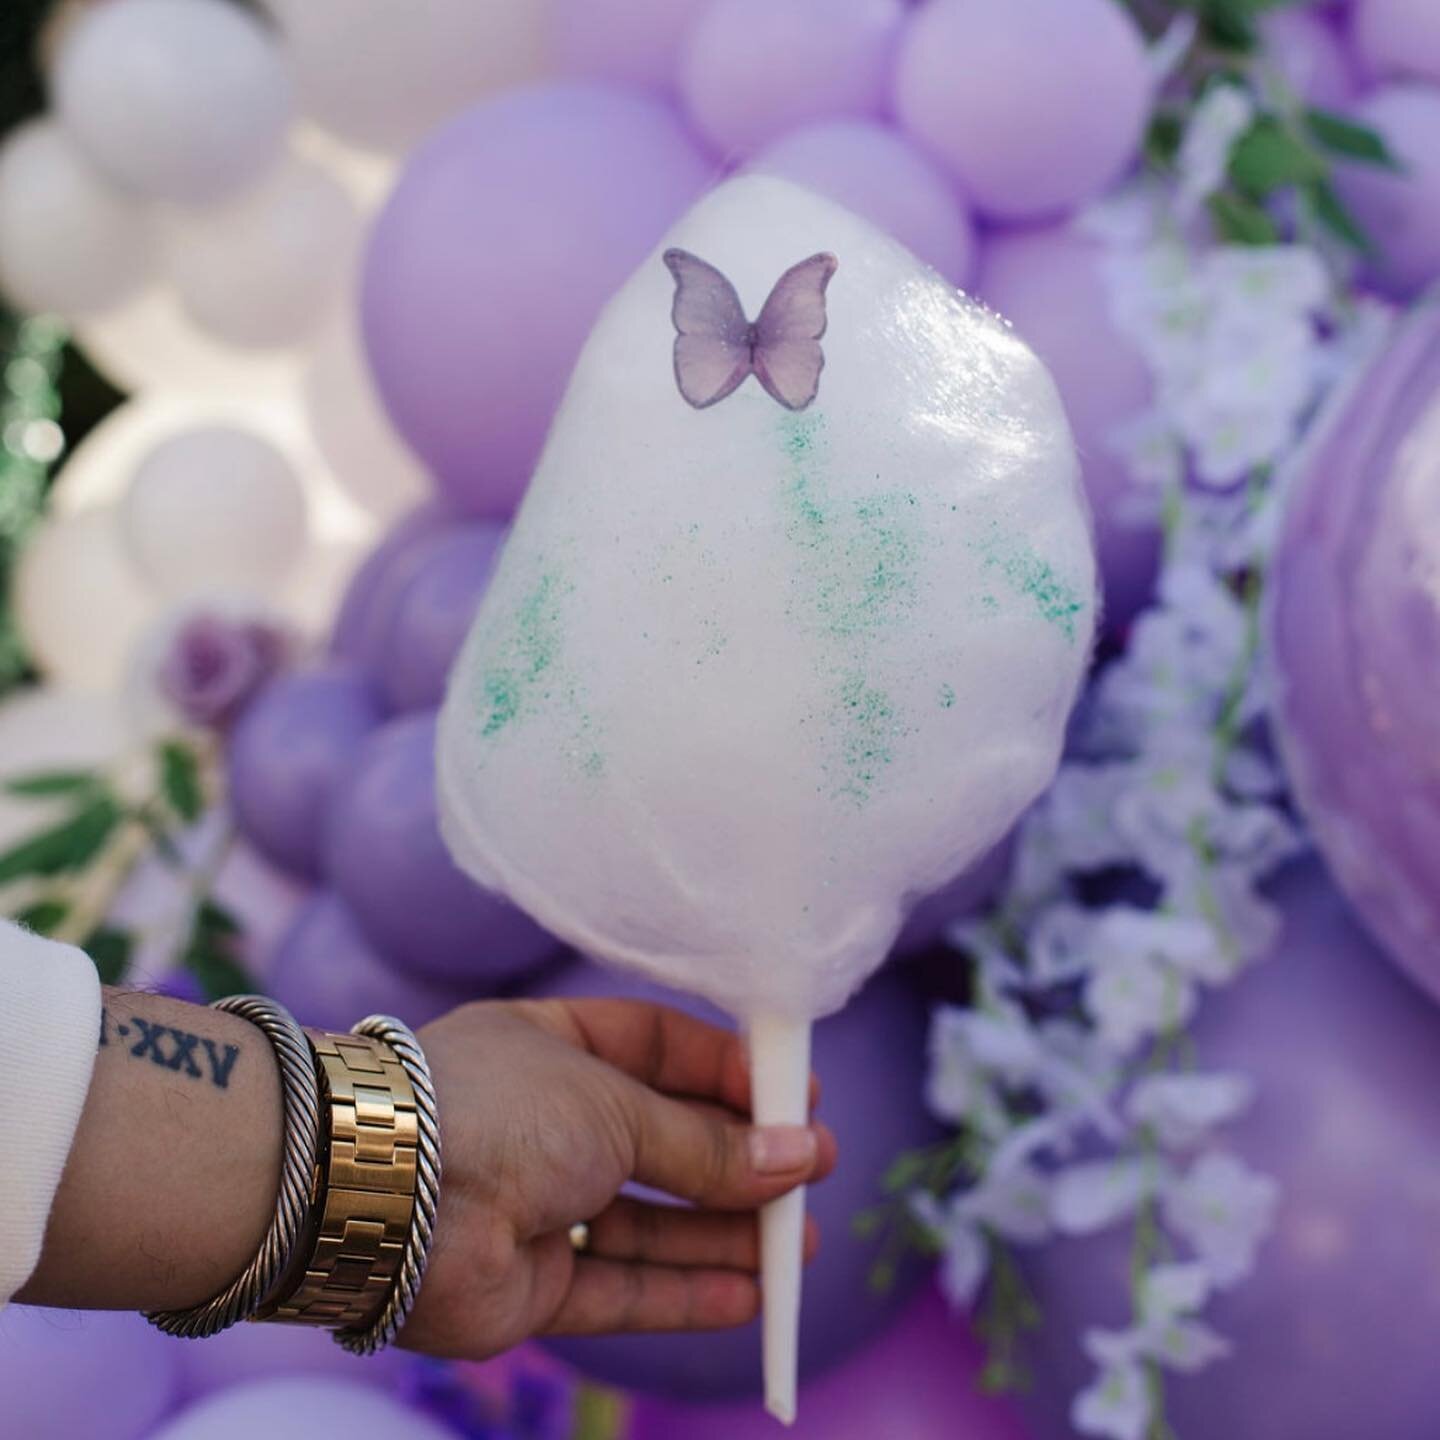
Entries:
{"x":749,"y":679}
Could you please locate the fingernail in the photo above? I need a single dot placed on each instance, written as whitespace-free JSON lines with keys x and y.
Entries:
{"x":778,"y":1148}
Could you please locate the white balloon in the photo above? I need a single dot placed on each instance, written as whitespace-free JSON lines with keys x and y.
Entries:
{"x":79,"y":605}
{"x":372,"y":463}
{"x":264,"y":269}
{"x":382,"y":74}
{"x":151,"y":344}
{"x":69,"y":241}
{"x":183,"y":100}
{"x":215,"y":509}
{"x":299,"y":1408}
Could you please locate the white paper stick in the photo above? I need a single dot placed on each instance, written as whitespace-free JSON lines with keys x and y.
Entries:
{"x":780,"y":1067}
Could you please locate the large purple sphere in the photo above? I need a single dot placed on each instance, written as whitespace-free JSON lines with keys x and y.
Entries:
{"x":1047,"y":283}
{"x":632,"y":42}
{"x":1334,"y":1333}
{"x":65,"y":1374}
{"x":326,"y":973}
{"x":429,"y":610}
{"x":507,"y":231}
{"x":871,"y":1062}
{"x":385,"y":857}
{"x":288,"y":753}
{"x":873,"y":170}
{"x":1355,"y":632}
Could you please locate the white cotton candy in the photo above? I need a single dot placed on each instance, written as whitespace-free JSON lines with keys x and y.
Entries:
{"x":748,"y":680}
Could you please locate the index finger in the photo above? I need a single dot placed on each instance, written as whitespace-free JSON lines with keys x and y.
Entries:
{"x":660,"y":1046}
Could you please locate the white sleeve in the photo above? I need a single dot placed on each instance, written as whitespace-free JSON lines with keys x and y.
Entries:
{"x":49,"y":1030}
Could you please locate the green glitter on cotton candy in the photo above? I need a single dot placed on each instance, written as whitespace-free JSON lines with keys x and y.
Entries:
{"x":1033,"y":576}
{"x":528,"y":652}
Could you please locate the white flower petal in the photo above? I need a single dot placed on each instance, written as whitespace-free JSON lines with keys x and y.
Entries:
{"x":1090,"y":1197}
{"x":1182,"y":1109}
{"x":1116,"y":1406}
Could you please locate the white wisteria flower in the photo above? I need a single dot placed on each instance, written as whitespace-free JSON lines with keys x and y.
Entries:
{"x":1217,"y":122}
{"x":1223,"y":1209}
{"x":1182,"y":1110}
{"x":1093,"y":1196}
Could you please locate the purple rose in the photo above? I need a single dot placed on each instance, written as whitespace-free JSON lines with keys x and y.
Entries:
{"x":215,"y":665}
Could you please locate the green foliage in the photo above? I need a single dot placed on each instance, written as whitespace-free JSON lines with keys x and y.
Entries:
{"x":1345,"y":137}
{"x":111,"y":949}
{"x":1241,"y":221}
{"x":212,"y":952}
{"x":66,"y":847}
{"x":180,"y":780}
{"x":52,"y":782}
{"x":44,"y":917}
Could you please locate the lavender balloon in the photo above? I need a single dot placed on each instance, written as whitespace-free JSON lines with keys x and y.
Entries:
{"x":871,"y":169}
{"x":753,"y":69}
{"x":1307,"y":50}
{"x":326,"y":973}
{"x":1334,"y":1333}
{"x":630,"y":42}
{"x":431,"y":601}
{"x":288,"y":753}
{"x":1047,"y":283}
{"x":64,"y":1375}
{"x":1398,"y":37}
{"x":1355,"y":629}
{"x":918,"y":1381}
{"x":384,"y":855}
{"x":507,"y":231}
{"x":872,"y":1058}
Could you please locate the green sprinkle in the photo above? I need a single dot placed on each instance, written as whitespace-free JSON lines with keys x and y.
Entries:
{"x":947,"y":697}
{"x":1033,"y":576}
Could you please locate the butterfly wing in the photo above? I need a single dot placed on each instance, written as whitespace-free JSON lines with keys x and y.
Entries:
{"x":788,"y":358}
{"x":712,"y":339}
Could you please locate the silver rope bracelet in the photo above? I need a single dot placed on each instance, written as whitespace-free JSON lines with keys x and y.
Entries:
{"x":398,"y":1304}
{"x":301,"y":1092}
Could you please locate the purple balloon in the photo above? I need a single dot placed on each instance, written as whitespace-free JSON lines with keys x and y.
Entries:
{"x":65,"y":1374}
{"x":1334,"y":1333}
{"x":1033,"y":107}
{"x":630,"y":42}
{"x":1048,"y":284}
{"x":430,"y":606}
{"x":1400,"y":211}
{"x":507,"y":231}
{"x":1307,"y":51}
{"x":385,"y":857}
{"x":1355,"y":634}
{"x":1397,"y":38}
{"x":326,"y":973}
{"x":753,"y":69}
{"x":871,"y":169}
{"x":365,"y":603}
{"x":286,"y":755}
{"x":871,"y":1062}
{"x":918,"y":1381}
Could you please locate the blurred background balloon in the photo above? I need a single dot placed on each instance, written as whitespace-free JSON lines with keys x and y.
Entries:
{"x":871,"y":1060}
{"x":919,"y":1379}
{"x":474,"y":311}
{"x":1355,"y":630}
{"x":1397,"y":38}
{"x":629,"y":42}
{"x":1345,"y":1057}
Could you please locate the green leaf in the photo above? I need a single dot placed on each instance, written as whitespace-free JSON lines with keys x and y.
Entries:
{"x":905,"y":1172}
{"x":69,"y":846}
{"x":44,"y":917}
{"x":1343,"y":136}
{"x":1162,"y":139}
{"x":111,"y":949}
{"x":1240,"y":221}
{"x":1267,"y":158}
{"x":1331,"y":212}
{"x":180,"y":780}
{"x":213,"y":919}
{"x":217,"y":968}
{"x":53,"y":782}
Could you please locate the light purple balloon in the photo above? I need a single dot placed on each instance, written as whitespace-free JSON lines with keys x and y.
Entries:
{"x":288,"y":752}
{"x":430,"y":601}
{"x":1307,"y":50}
{"x":1400,"y":212}
{"x":918,"y":1381}
{"x":629,"y":42}
{"x":1047,"y":283}
{"x":505,"y":234}
{"x":1034,"y":107}
{"x":68,"y":1374}
{"x":1334,"y":1333}
{"x":366,"y":603}
{"x":873,"y":170}
{"x":326,"y":973}
{"x":871,"y":1062}
{"x":753,"y":69}
{"x":245,"y":1353}
{"x":1354,"y":624}
{"x":385,"y":857}
{"x":1396,"y":39}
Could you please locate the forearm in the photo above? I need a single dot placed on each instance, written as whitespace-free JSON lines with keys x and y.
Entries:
{"x":175,"y":1168}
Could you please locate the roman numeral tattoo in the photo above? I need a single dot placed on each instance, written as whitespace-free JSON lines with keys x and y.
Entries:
{"x":170,"y":1048}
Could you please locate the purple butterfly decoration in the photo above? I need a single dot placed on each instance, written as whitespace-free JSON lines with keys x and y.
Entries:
{"x":716,"y":347}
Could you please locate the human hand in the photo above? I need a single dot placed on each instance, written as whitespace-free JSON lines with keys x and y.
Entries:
{"x":547,"y":1109}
